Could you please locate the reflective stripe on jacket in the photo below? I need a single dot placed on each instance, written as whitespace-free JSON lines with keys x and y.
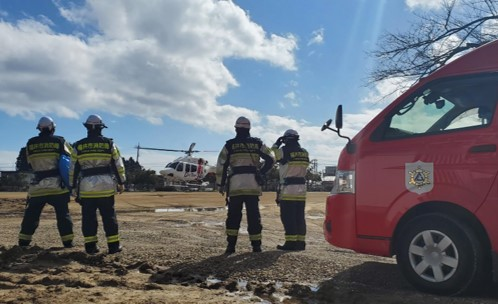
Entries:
{"x":43,"y":153}
{"x":236,"y":159}
{"x":294,"y":162}
{"x":97,"y":163}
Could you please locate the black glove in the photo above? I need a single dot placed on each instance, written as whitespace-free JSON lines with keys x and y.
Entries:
{"x":221,"y":189}
{"x":260,"y":179}
{"x":279,"y":142}
{"x":120,"y":188}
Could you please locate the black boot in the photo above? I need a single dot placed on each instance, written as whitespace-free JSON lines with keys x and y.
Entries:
{"x":230,"y":249}
{"x":300,"y":245}
{"x":288,"y":245}
{"x":91,"y":248}
{"x":24,"y":243}
{"x":114,"y":247}
{"x":256,"y":246}
{"x":232,"y":241}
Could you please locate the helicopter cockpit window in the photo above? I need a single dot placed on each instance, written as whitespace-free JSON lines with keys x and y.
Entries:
{"x":443,"y":106}
{"x":179,"y":168}
{"x":172,"y":165}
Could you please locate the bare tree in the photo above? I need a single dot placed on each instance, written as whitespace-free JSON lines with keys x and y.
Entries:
{"x":435,"y":38}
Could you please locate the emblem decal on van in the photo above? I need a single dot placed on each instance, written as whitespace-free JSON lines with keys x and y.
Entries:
{"x":419,"y":177}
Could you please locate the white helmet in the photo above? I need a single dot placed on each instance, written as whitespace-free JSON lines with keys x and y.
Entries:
{"x":291,"y":134}
{"x":243,"y":123}
{"x":46,"y":122}
{"x":94,"y":121}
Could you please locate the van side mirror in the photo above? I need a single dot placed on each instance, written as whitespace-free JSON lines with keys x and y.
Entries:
{"x":326,"y":125}
{"x":338,"y":117}
{"x":350,"y":147}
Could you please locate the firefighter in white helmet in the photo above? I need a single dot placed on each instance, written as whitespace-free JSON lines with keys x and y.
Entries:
{"x":97,"y":172}
{"x":240,"y":173}
{"x":43,"y":153}
{"x":293,"y":163}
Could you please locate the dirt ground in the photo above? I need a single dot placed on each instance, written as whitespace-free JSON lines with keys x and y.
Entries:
{"x":175,"y":256}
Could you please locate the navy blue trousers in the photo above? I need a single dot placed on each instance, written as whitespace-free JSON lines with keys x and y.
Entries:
{"x":105,"y":206}
{"x":34,"y":208}
{"x":234,"y":215}
{"x":293,"y":218}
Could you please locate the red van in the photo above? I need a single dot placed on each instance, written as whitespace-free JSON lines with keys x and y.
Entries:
{"x":419,"y":181}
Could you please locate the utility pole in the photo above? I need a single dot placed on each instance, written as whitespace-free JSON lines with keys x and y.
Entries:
{"x":314,"y":166}
{"x":138,"y":151}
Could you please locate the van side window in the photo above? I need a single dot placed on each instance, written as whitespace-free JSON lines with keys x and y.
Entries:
{"x":469,"y":118}
{"x":443,"y":106}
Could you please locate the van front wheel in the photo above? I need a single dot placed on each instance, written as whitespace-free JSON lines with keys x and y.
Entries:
{"x":438,"y":254}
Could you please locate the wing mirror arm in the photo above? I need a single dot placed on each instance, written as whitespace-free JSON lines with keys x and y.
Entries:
{"x":350,"y":147}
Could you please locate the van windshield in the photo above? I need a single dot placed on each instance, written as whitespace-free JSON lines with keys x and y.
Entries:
{"x":443,"y":106}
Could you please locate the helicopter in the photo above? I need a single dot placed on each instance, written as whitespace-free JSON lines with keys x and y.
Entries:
{"x":185,"y":169}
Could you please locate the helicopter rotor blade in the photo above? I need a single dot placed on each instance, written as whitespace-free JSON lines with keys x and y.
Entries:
{"x":191,"y":146}
{"x":159,"y":149}
{"x":188,"y":152}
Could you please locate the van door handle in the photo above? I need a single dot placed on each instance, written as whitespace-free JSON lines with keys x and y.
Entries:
{"x":483,"y":148}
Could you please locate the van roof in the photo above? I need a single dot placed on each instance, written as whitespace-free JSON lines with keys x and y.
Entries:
{"x":482,"y":59}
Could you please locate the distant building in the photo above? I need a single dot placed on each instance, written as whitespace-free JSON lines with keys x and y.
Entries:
{"x":330,"y":171}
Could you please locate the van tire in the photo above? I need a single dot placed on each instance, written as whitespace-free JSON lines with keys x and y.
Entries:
{"x":438,"y":254}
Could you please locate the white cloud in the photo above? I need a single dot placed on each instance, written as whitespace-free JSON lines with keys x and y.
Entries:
{"x":490,"y":27}
{"x":82,"y":16}
{"x":445,"y":45}
{"x":385,"y":92}
{"x":45,"y":20}
{"x":424,"y":4}
{"x":291,"y":99}
{"x":148,"y":59}
{"x":317,"y":37}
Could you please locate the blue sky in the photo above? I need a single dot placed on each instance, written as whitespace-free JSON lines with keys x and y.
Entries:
{"x":168,"y":73}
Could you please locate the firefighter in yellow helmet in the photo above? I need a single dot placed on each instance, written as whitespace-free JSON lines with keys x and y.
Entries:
{"x":96,"y":172}
{"x":43,"y":153}
{"x":240,"y":173}
{"x":293,"y":163}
